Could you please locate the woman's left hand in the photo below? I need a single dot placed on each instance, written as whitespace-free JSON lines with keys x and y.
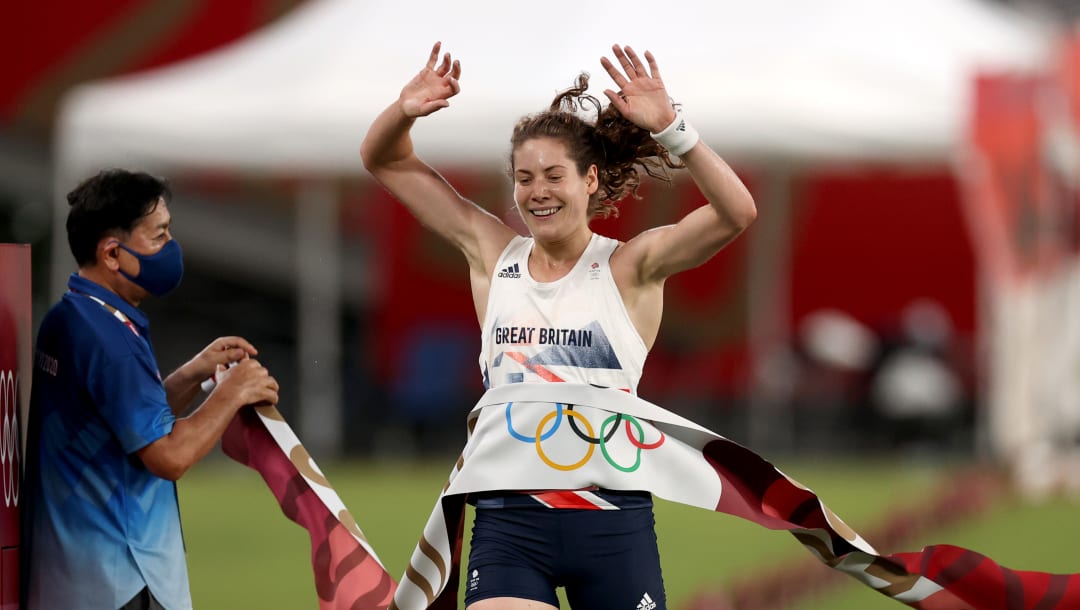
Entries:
{"x":641,"y":98}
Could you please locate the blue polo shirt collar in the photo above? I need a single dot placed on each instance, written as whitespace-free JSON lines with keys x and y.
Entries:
{"x":82,"y":285}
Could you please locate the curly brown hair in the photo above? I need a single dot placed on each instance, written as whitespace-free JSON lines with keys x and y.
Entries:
{"x":611,"y":142}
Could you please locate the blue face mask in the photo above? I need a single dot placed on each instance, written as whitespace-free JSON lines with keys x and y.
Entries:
{"x":159,"y":273}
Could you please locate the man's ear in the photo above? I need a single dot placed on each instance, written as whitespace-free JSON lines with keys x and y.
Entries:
{"x":109,"y":253}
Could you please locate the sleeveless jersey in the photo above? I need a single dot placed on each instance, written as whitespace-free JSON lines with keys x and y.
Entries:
{"x":575,"y":329}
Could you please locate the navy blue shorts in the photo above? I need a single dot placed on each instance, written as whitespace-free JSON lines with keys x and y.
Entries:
{"x":605,"y":559}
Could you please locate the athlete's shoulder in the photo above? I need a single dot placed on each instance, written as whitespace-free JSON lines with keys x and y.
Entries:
{"x":517,"y":245}
{"x":603,"y":246}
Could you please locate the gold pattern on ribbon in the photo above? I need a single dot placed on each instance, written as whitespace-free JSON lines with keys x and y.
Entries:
{"x":302,"y":460}
{"x":828,"y":557}
{"x":347,"y":520}
{"x":421,"y":583}
{"x":270,"y":412}
{"x":838,"y":524}
{"x":432,"y":553}
{"x":899,"y":580}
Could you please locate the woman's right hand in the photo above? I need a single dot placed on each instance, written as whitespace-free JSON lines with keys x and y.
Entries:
{"x":433,"y":87}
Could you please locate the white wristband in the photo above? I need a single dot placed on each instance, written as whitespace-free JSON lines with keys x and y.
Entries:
{"x":678,"y":137}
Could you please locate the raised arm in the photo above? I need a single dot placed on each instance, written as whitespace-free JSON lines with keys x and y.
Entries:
{"x":387,"y":153}
{"x":665,"y":251}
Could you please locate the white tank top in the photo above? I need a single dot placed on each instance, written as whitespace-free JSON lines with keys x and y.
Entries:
{"x":575,"y":329}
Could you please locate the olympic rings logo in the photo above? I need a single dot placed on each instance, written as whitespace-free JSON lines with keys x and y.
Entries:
{"x":608,"y":429}
{"x":9,"y":437}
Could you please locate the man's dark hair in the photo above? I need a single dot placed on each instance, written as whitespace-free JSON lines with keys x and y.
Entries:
{"x":110,"y":203}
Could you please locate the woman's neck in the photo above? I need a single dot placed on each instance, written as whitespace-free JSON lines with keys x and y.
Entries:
{"x":550,"y":260}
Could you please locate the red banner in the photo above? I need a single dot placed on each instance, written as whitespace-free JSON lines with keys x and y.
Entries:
{"x":15,"y":333}
{"x":1020,"y":209}
{"x":348,"y":575}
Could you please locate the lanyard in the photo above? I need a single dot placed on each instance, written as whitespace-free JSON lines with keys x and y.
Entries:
{"x":119,"y":315}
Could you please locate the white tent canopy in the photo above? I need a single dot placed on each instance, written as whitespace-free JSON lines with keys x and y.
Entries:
{"x":770,"y":80}
{"x":833,"y":79}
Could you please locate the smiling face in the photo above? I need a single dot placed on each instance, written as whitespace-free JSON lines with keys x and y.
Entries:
{"x":551,"y":195}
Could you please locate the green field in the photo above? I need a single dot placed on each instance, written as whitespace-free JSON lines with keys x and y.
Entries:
{"x":243,"y":553}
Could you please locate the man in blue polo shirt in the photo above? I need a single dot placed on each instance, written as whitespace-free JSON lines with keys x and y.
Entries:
{"x":107,"y":436}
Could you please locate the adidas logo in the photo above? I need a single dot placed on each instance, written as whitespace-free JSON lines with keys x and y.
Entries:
{"x":646,"y":603}
{"x":681,"y":126}
{"x":511,"y":272}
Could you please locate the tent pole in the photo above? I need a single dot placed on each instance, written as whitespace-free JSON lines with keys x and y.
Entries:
{"x":770,"y":421}
{"x":318,"y":298}
{"x":61,"y":264}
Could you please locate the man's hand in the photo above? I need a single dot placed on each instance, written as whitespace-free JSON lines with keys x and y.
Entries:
{"x":182,"y":385}
{"x":246,"y":383}
{"x":220,"y":352}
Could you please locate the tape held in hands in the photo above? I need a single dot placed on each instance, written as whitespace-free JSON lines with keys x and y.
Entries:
{"x":678,"y":137}
{"x":210,"y":383}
